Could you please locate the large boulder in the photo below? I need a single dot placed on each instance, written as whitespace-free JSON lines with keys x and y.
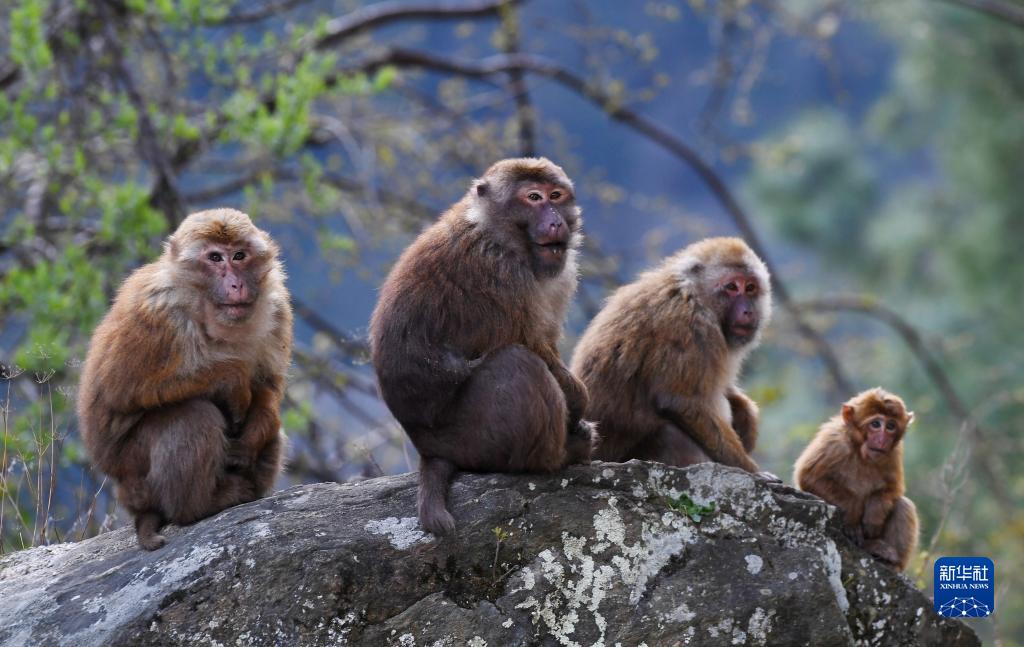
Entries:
{"x":608,"y":554}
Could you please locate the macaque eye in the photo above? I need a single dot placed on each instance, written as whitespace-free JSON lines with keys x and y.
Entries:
{"x":731,"y":287}
{"x":890,"y":425}
{"x":556,"y":195}
{"x":238,"y":256}
{"x":534,"y":196}
{"x":751,"y":288}
{"x":876,"y":424}
{"x":216,"y":257}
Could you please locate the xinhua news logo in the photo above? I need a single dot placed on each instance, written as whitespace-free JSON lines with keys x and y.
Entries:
{"x":965,"y":587}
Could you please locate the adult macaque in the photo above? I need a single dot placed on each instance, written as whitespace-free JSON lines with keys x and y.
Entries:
{"x":855,"y":462}
{"x":661,"y":360}
{"x":464,"y":335}
{"x":181,"y":390}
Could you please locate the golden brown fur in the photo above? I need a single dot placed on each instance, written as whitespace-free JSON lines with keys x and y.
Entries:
{"x":661,"y":365}
{"x":181,"y":389}
{"x":464,"y":336}
{"x":839,"y":466}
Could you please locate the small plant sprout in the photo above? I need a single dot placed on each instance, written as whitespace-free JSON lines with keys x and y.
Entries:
{"x":684,"y":504}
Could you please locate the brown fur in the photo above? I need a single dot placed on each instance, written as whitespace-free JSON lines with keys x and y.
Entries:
{"x":179,"y":403}
{"x":464,"y":339}
{"x":868,"y":488}
{"x":661,"y":371}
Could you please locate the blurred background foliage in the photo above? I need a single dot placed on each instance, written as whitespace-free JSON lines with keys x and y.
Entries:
{"x":871,"y":150}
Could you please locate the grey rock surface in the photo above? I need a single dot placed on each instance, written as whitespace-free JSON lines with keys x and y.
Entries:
{"x":601,"y":555}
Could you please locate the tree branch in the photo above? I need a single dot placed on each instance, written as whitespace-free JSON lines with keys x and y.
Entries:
{"x":517,"y":85}
{"x":1004,"y":11}
{"x":269,"y":10}
{"x":165,"y":195}
{"x":933,"y":368}
{"x":352,"y":346}
{"x":338,"y":29}
{"x":502,"y":64}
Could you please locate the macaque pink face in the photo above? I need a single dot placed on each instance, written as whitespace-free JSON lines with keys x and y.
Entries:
{"x":550,"y":220}
{"x":881,"y":435}
{"x":234,"y":280}
{"x":741,"y":315}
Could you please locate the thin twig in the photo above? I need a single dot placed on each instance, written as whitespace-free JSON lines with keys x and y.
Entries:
{"x":1004,"y":11}
{"x":269,"y":10}
{"x":375,"y":15}
{"x":517,"y":84}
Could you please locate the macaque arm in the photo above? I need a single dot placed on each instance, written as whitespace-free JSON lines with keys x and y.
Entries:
{"x":423,"y":390}
{"x":262,"y":424}
{"x":834,"y":492}
{"x":263,"y":418}
{"x":876,"y":511}
{"x":744,"y":417}
{"x":718,"y":440}
{"x":576,"y":398}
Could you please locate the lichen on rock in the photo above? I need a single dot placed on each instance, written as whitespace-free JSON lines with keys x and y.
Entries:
{"x":598,"y":555}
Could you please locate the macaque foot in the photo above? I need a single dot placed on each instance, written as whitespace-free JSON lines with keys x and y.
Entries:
{"x":856,"y":535}
{"x":438,"y":522}
{"x":581,"y":442}
{"x":146,"y":526}
{"x":882,"y":550}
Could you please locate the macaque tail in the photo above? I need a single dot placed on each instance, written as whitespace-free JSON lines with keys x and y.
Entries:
{"x":435,"y":473}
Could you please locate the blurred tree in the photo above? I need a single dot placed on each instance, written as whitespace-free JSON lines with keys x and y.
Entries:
{"x":937,"y":229}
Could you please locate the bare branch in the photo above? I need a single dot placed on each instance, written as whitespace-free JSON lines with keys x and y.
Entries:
{"x":382,"y":13}
{"x":421,"y":212}
{"x":504,"y":63}
{"x":871,"y":307}
{"x":9,"y":75}
{"x":1004,"y":11}
{"x":269,"y":10}
{"x":517,"y":85}
{"x":165,"y":196}
{"x":353,"y":346}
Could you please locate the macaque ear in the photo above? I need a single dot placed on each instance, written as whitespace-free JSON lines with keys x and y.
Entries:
{"x":848,"y":415}
{"x":910,"y":418}
{"x":481,"y":188}
{"x":173,"y":248}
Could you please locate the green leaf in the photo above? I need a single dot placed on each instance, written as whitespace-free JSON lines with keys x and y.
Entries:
{"x":684,"y":504}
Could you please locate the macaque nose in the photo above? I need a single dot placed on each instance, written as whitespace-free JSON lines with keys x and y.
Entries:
{"x":235,"y":287}
{"x":555,"y":226}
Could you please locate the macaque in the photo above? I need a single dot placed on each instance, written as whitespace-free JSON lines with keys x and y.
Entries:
{"x":855,"y":462}
{"x":464,"y":335}
{"x":181,"y":391}
{"x":661,"y":359}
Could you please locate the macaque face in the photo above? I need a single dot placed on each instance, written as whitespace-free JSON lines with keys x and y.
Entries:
{"x":739,"y":296}
{"x":881,"y":433}
{"x":876,"y":426}
{"x":547,"y":213}
{"x":233,"y":275}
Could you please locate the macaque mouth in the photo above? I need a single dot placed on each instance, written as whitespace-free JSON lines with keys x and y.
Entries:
{"x":236,"y":310}
{"x":555,"y":247}
{"x":741,"y":330}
